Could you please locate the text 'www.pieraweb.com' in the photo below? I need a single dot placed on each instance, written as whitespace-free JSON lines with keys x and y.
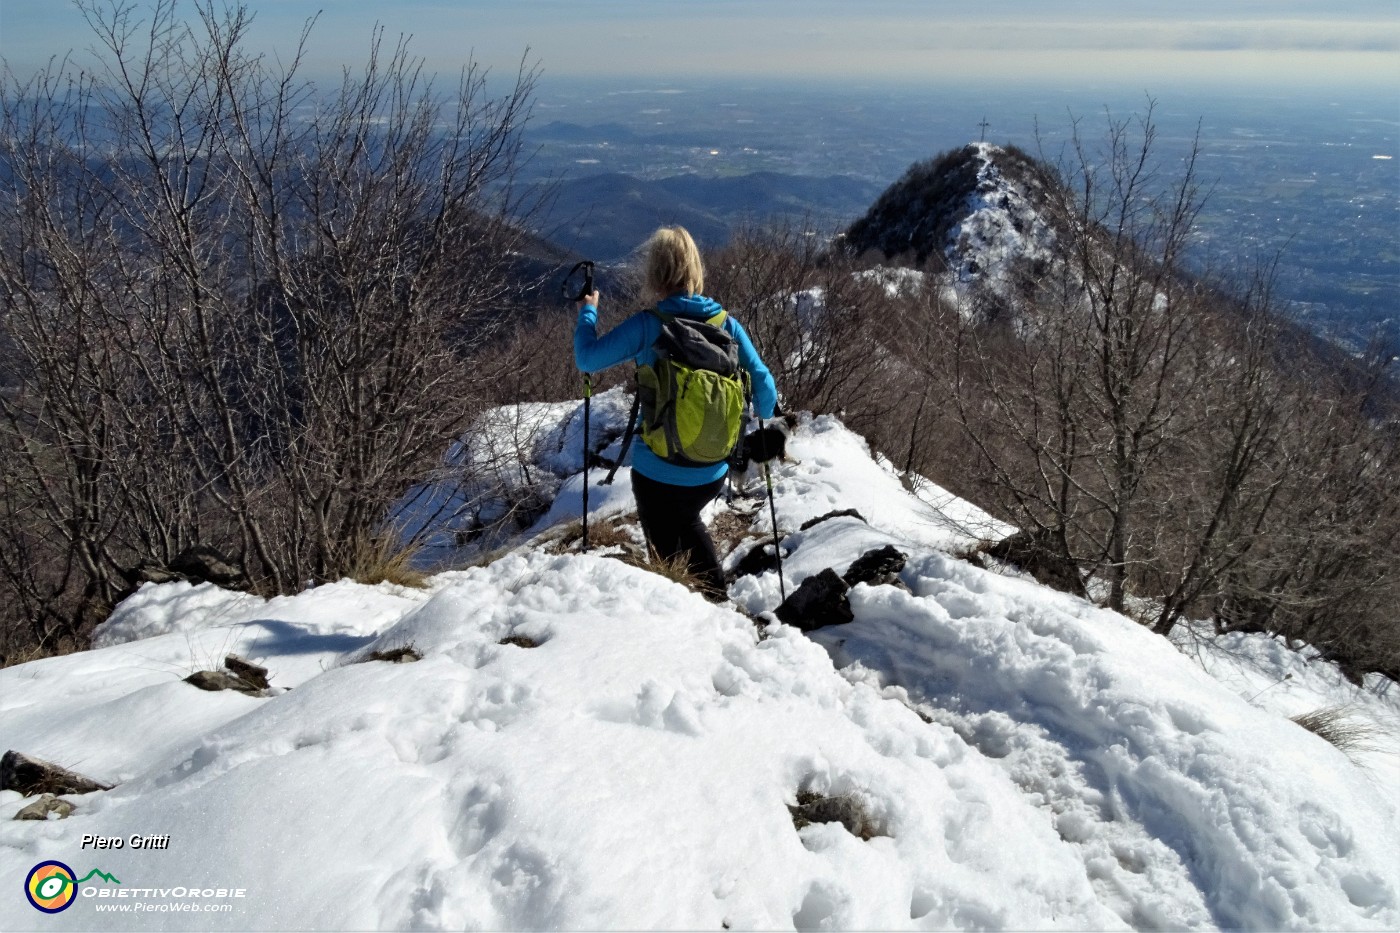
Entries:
{"x":140,"y":907}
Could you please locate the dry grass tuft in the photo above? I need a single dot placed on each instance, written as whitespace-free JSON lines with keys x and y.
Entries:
{"x":847,"y":809}
{"x":676,"y":569}
{"x":1339,"y":726}
{"x":403,"y":654}
{"x":384,"y":559}
{"x":565,"y":537}
{"x":35,"y":653}
{"x":616,"y":532}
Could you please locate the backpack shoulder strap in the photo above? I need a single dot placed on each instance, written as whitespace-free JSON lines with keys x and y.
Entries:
{"x":626,"y":437}
{"x":636,"y":407}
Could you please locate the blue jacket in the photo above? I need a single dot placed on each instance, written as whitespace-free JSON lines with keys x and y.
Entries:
{"x":633,"y":339}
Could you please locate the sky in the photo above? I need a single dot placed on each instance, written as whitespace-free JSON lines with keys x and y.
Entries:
{"x":1295,"y":42}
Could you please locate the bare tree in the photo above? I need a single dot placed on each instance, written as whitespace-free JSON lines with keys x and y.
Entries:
{"x":242,"y":310}
{"x":1082,"y":406}
{"x":1323,"y":569}
{"x":1173,"y":435}
{"x":1222,"y":473}
{"x":1125,"y":275}
{"x":809,"y":314}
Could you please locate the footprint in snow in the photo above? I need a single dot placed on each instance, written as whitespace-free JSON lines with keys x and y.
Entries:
{"x":654,"y":707}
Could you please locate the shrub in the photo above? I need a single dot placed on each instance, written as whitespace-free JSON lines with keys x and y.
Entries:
{"x":247,"y":327}
{"x":383,"y":558}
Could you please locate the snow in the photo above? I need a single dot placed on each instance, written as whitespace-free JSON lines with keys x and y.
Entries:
{"x":517,"y":462}
{"x":895,"y":280}
{"x":833,"y":469}
{"x":1000,"y":228}
{"x":1025,"y":759}
{"x":959,"y":513}
{"x":1265,"y":673}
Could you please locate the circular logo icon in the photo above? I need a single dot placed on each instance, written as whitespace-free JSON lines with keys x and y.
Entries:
{"x":51,"y":887}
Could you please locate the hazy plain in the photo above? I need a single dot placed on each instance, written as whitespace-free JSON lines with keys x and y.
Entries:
{"x":1313,"y":177}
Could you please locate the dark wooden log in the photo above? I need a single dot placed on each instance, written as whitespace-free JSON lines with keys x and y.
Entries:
{"x":254,"y":675}
{"x":32,"y":776}
{"x":214,"y":681}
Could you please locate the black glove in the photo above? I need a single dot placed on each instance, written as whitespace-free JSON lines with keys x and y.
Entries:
{"x":764,"y":444}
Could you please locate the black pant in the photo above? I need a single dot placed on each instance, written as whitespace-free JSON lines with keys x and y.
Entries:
{"x":670,"y":517}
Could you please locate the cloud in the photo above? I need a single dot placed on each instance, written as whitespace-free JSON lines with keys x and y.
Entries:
{"x":1285,"y":35}
{"x":1157,"y":35}
{"x":881,"y":40}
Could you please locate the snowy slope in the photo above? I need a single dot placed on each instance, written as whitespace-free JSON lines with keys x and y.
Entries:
{"x":1001,"y":225}
{"x":1021,"y":759}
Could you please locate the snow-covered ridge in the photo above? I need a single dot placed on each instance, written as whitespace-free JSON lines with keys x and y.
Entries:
{"x":1022,"y":758}
{"x":1001,"y":226}
{"x":979,"y":209}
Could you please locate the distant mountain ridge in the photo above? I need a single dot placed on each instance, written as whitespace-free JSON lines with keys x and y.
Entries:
{"x":605,"y":216}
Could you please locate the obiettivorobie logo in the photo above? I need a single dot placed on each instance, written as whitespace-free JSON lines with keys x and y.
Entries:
{"x":52,"y":886}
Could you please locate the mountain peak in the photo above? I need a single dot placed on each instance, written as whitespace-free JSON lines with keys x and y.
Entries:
{"x":972,"y":211}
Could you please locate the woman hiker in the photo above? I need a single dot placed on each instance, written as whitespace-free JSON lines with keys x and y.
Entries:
{"x":669,"y":496}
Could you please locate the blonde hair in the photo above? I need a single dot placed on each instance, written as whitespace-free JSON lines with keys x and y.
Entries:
{"x":673,"y":263}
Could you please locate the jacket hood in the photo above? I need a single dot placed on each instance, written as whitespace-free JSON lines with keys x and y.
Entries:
{"x":692,"y":306}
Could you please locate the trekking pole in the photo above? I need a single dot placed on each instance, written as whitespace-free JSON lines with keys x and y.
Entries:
{"x":773,"y":514}
{"x":585,"y":289}
{"x":587,"y":417}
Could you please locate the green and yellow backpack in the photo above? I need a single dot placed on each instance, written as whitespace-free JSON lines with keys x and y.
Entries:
{"x":692,"y":398}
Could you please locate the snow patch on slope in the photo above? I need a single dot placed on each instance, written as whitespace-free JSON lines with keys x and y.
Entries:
{"x":1001,"y":227}
{"x":634,"y":770}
